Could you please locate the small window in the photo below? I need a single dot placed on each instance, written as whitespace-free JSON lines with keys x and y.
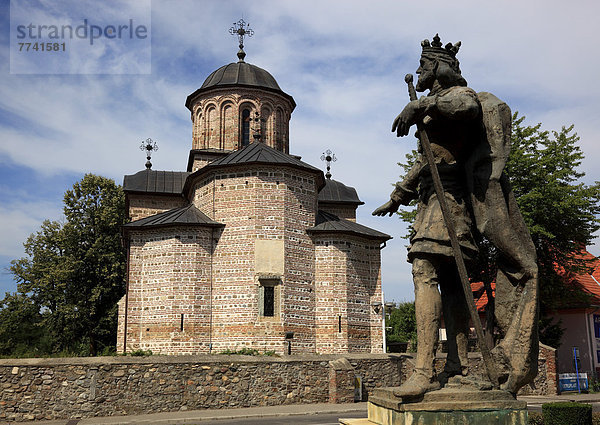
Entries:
{"x":268,"y":297}
{"x":245,"y":127}
{"x":269,"y":301}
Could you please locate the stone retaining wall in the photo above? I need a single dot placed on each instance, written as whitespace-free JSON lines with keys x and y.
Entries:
{"x":34,"y":389}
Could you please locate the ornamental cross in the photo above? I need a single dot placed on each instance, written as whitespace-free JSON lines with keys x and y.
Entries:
{"x":241,"y":28}
{"x":149,"y":146}
{"x":328,"y":157}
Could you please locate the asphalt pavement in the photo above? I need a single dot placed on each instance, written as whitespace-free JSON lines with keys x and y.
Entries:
{"x":534,"y":403}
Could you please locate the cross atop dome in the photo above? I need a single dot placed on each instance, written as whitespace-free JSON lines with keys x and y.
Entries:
{"x":241,"y":28}
{"x":328,"y":157}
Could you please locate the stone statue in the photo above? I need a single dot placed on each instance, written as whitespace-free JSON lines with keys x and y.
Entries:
{"x":469,"y":138}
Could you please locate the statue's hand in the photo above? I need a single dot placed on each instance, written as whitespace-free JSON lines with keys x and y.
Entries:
{"x":390,"y":207}
{"x":406,"y":119}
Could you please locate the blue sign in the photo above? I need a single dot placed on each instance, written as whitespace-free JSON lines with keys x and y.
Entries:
{"x":568,"y":382}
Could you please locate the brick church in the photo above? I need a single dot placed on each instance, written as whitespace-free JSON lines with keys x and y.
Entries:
{"x":250,"y":247}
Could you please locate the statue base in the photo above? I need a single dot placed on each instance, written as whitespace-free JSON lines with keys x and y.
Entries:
{"x":448,"y":406}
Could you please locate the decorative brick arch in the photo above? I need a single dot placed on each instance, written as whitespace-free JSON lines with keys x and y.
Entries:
{"x":211,"y":125}
{"x":267,"y":120}
{"x":245,"y":113}
{"x":280,"y":133}
{"x":197,"y":128}
{"x":228,"y":127}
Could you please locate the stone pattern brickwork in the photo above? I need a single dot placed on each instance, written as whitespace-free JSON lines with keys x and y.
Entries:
{"x":261,"y":203}
{"x":347,"y":282}
{"x":345,"y":212}
{"x":217,"y":116}
{"x":36,"y":389}
{"x":331,"y":295}
{"x":324,"y":290}
{"x":143,"y":205}
{"x":169,"y":291}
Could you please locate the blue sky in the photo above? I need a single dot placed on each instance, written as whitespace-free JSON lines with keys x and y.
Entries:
{"x":343,"y":62}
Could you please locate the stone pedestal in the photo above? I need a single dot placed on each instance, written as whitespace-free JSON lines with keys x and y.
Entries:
{"x":448,"y":406}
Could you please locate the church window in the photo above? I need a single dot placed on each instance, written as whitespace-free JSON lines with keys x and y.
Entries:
{"x":268,"y":295}
{"x":269,"y":301}
{"x":245,"y":127}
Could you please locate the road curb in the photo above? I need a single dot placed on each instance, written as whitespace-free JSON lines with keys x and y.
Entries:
{"x":185,"y":417}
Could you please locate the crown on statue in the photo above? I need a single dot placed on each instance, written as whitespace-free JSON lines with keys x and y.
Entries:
{"x":434,"y":50}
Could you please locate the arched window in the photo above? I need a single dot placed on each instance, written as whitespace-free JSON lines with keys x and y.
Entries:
{"x":245,"y":141}
{"x":279,"y":132}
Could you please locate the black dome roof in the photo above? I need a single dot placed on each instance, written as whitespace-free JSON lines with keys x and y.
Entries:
{"x":241,"y":73}
{"x":337,"y":192}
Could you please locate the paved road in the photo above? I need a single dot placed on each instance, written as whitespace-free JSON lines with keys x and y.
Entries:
{"x":307,"y":419}
{"x":308,"y":414}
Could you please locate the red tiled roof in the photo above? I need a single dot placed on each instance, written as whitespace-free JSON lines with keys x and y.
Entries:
{"x":589,"y":283}
{"x":480,"y":295}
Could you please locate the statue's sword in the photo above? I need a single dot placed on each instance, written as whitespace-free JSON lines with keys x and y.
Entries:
{"x":450,"y":226}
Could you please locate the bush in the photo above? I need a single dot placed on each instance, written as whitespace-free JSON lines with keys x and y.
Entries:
{"x":248,"y":352}
{"x":567,"y":413}
{"x":535,"y":418}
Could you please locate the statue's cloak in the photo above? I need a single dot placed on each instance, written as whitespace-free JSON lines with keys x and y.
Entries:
{"x":497,"y":218}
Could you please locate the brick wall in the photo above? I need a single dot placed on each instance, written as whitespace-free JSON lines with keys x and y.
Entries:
{"x":345,"y":212}
{"x":169,"y":291}
{"x":216,"y":118}
{"x":260,"y":204}
{"x":144,"y":205}
{"x":214,"y":279}
{"x":36,"y":389}
{"x":347,"y":282}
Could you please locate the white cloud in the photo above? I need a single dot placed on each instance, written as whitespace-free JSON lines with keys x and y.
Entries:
{"x":21,"y":219}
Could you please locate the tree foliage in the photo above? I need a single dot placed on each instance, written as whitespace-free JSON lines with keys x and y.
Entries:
{"x":560,"y":211}
{"x":402,"y":324}
{"x":72,"y":277}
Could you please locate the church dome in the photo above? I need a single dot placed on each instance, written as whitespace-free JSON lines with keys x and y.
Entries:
{"x":338,"y":193}
{"x":241,"y":73}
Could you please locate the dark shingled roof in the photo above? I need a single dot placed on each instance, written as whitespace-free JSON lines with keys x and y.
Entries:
{"x":329,"y":223}
{"x":261,"y":153}
{"x":151,"y":181}
{"x":336,"y":192}
{"x":257,"y":153}
{"x":240,"y":74}
{"x":182,"y":216}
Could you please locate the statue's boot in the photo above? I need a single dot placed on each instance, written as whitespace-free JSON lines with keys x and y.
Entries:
{"x":451,"y":371}
{"x":417,"y":385}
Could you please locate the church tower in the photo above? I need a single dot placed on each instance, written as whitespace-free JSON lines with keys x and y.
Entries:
{"x":237,"y":104}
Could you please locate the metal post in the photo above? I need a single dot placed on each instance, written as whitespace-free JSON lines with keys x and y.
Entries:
{"x":576,"y":368}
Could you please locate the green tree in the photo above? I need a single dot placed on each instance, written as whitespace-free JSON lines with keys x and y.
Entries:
{"x":74,"y":270}
{"x":21,"y":333}
{"x":560,"y":211}
{"x":402,"y":324}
